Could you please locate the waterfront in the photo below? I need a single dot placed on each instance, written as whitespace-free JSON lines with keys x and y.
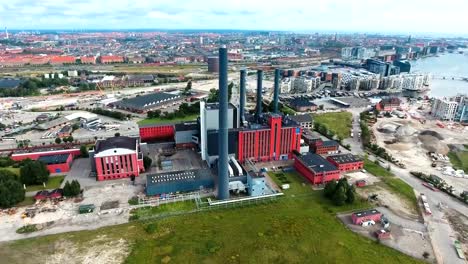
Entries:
{"x":448,"y":64}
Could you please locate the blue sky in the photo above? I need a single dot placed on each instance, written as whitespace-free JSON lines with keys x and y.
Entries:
{"x":405,"y":16}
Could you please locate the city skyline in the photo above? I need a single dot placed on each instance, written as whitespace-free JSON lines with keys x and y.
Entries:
{"x":325,"y":16}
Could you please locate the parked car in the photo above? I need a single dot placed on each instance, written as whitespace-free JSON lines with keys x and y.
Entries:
{"x":41,"y":195}
{"x":368,"y":223}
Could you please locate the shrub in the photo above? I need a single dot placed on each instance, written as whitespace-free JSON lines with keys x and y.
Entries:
{"x":26,"y":229}
{"x":151,"y":228}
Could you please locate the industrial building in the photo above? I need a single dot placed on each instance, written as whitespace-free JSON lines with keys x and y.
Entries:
{"x":116,"y":158}
{"x":305,"y":120}
{"x":326,"y":147}
{"x":141,"y":104}
{"x":57,"y":161}
{"x":213,"y":64}
{"x":316,"y":169}
{"x":346,"y":162}
{"x":388,"y":104}
{"x":179,"y":181}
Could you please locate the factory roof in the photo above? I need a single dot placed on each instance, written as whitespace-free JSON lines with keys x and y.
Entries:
{"x":178,"y":176}
{"x":147,"y":101}
{"x":186,"y":126}
{"x":366,"y":213}
{"x":301,"y":102}
{"x":330,"y":143}
{"x":317,"y":163}
{"x":213,"y":106}
{"x":54,"y":159}
{"x":301,"y":118}
{"x":345,"y":158}
{"x":116,"y":142}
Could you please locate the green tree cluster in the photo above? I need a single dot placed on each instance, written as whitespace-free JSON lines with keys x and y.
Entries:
{"x":147,"y":161}
{"x":71,"y":189}
{"x":33,"y":172}
{"x":113,"y":114}
{"x":11,"y":190}
{"x":84,"y":151}
{"x":340,"y":192}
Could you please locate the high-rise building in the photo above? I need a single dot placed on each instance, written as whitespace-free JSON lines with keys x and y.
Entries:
{"x":444,"y":109}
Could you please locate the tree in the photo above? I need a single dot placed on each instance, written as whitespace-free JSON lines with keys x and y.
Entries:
{"x":330,"y":189}
{"x":117,"y":134}
{"x":58,"y":140}
{"x":147,"y":162}
{"x":84,"y":151}
{"x":67,"y":190}
{"x":188,"y":88}
{"x":33,"y":172}
{"x":350,"y":195}
{"x":11,"y":190}
{"x":70,"y":139}
{"x":75,"y":188}
{"x":339,"y":197}
{"x":75,"y":126}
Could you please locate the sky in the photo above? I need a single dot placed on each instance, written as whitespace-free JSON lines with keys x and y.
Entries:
{"x":380,"y":16}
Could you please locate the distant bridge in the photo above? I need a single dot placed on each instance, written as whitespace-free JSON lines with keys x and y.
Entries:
{"x":450,"y":77}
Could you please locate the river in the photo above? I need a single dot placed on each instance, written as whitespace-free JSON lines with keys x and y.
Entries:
{"x":449,"y":64}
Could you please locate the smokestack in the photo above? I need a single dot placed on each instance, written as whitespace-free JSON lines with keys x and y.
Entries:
{"x":223,"y":176}
{"x":243,"y":73}
{"x":276,"y":90}
{"x":259,"y":95}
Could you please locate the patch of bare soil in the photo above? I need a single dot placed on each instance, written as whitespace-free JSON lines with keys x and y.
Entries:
{"x":459,"y":223}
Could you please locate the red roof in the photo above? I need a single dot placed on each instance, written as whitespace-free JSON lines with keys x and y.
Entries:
{"x":62,"y":59}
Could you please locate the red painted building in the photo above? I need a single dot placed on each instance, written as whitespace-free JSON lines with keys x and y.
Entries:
{"x":111,"y":59}
{"x":388,"y":104}
{"x":325,"y":147}
{"x":37,"y":153}
{"x":57,"y":161}
{"x":272,"y":142}
{"x":346,"y":162}
{"x":88,"y":60}
{"x":364,"y":216}
{"x":151,"y":133}
{"x":117,"y":157}
{"x":316,"y":169}
{"x":58,"y":60}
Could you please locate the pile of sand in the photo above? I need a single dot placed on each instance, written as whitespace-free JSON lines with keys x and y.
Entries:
{"x":431,"y":133}
{"x":404,"y":133}
{"x":433,"y":144}
{"x":387,"y":128}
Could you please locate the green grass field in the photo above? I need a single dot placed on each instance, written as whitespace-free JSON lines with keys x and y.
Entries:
{"x":395,"y":184}
{"x":27,"y":201}
{"x":339,"y":122}
{"x":151,"y":121}
{"x":459,"y":160}
{"x":53,"y":183}
{"x":300,"y":227}
{"x":16,"y":171}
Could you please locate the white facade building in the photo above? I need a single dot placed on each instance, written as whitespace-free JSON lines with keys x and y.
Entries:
{"x":444,"y":109}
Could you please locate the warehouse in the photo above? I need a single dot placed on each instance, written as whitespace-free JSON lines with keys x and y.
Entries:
{"x":325,"y":147}
{"x":179,"y":181}
{"x":346,"y":162}
{"x":157,"y":132}
{"x":304,"y":120}
{"x":117,"y":157}
{"x":57,"y":163}
{"x":316,"y":169}
{"x":141,"y":104}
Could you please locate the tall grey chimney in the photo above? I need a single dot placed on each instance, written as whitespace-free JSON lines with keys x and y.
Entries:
{"x":223,"y":176}
{"x":276,"y":90}
{"x":243,"y":73}
{"x":259,"y":95}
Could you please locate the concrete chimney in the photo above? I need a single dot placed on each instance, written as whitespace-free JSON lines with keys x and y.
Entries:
{"x":276,"y":90}
{"x":243,"y":73}
{"x":223,"y":175}
{"x":258,"y":113}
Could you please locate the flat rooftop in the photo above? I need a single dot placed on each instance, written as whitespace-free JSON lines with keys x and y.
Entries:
{"x":178,"y":176}
{"x":317,"y":163}
{"x":366,"y":213}
{"x":345,"y":158}
{"x":54,"y":159}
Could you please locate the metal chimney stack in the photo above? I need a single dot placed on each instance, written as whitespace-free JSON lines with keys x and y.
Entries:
{"x":276,"y":90}
{"x":243,"y":73}
{"x":223,"y":175}
{"x":258,"y":113}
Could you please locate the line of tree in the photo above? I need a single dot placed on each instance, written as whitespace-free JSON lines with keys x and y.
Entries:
{"x":184,"y":110}
{"x":33,"y":172}
{"x":340,"y":192}
{"x":113,"y":114}
{"x":213,"y":97}
{"x":11,"y":190}
{"x":71,"y":189}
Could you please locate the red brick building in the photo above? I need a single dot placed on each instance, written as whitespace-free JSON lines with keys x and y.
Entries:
{"x":88,"y":60}
{"x":57,"y":161}
{"x":364,"y":216}
{"x":151,"y":133}
{"x":316,"y":169}
{"x":388,"y":104}
{"x":59,"y":60}
{"x":346,"y":162}
{"x":111,"y":59}
{"x":325,"y":147}
{"x":117,"y":157}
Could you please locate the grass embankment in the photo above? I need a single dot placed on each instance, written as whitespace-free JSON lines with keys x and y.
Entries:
{"x":338,"y":122}
{"x":299,"y":228}
{"x":152,"y":121}
{"x":459,"y":160}
{"x":395,"y":184}
{"x":53,"y":183}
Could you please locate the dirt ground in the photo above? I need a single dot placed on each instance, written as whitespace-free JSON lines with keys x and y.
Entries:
{"x":413,"y":154}
{"x":459,"y":223}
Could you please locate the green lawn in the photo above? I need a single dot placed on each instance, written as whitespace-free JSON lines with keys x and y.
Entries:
{"x":27,"y":201}
{"x":459,"y":160}
{"x":151,"y":121}
{"x":14,"y":170}
{"x":338,"y":122}
{"x":300,"y":227}
{"x":395,"y":184}
{"x":164,"y":208}
{"x":53,"y":183}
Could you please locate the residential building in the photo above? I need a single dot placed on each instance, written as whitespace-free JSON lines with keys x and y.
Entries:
{"x":444,"y":109}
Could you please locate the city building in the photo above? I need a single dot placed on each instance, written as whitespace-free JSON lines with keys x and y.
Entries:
{"x":111,"y":59}
{"x":157,"y":132}
{"x":405,"y":66}
{"x":444,"y":109}
{"x":388,"y":104}
{"x":382,"y":68}
{"x":303,"y":120}
{"x":364,"y":216}
{"x":326,"y":147}
{"x":179,"y":181}
{"x":302,"y":104}
{"x":141,"y":104}
{"x":57,"y":163}
{"x":462,"y":113}
{"x":316,"y":169}
{"x":116,"y":158}
{"x":346,"y":162}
